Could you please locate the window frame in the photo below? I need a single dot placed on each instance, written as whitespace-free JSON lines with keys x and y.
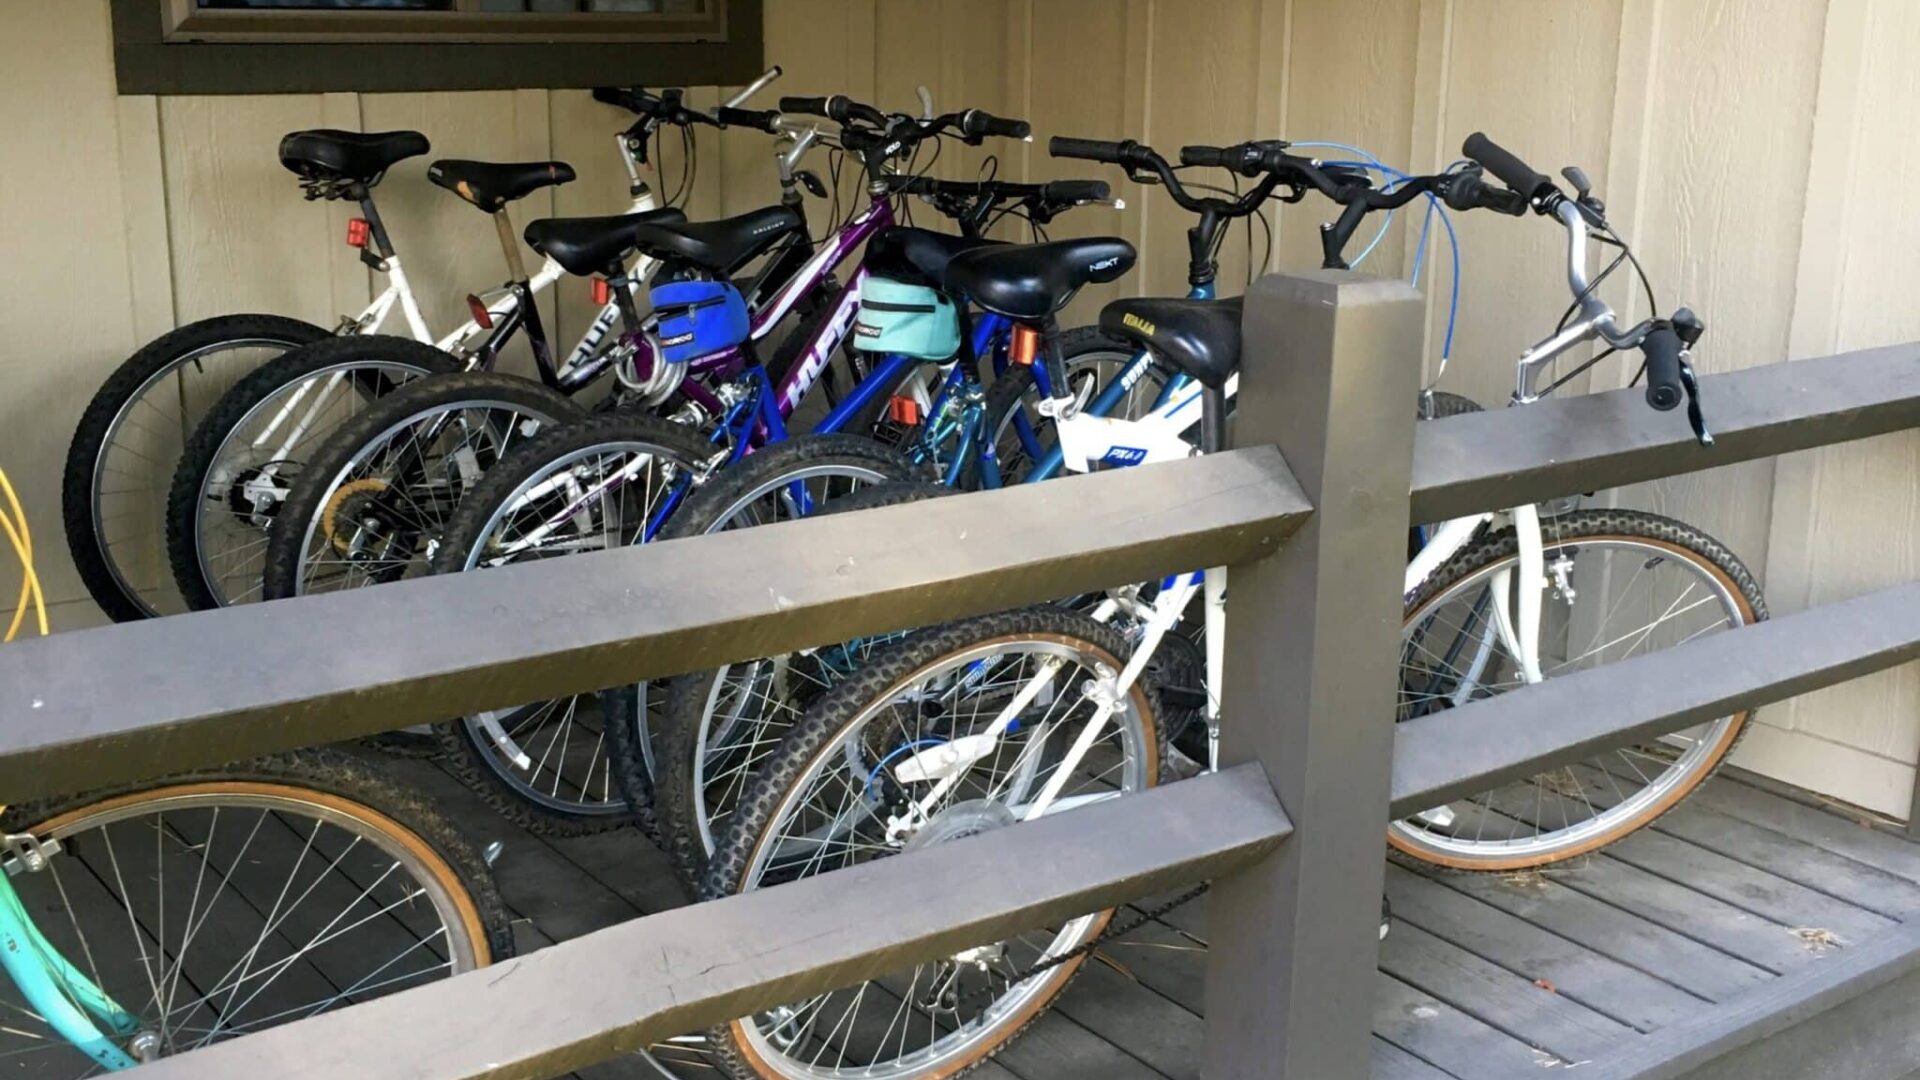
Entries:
{"x":152,"y":55}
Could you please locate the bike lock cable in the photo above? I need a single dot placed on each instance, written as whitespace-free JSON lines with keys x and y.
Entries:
{"x":14,"y":524}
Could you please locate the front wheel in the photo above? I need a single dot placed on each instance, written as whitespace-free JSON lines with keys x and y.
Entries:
{"x":114,"y":488}
{"x":597,"y":484}
{"x":214,"y":904}
{"x":846,"y":787}
{"x":1620,"y":583}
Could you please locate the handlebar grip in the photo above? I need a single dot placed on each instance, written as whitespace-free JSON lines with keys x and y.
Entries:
{"x":609,"y":95}
{"x":1513,"y":172}
{"x":812,"y":106}
{"x":1076,"y":191}
{"x":974,"y":123}
{"x":1111,"y":153}
{"x":1209,"y":156}
{"x":758,"y":119}
{"x":1662,"y":348}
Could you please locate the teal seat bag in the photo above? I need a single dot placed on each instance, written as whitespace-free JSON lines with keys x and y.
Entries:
{"x":912,"y":320}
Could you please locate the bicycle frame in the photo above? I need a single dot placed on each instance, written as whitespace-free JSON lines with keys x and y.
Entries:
{"x":69,"y":1001}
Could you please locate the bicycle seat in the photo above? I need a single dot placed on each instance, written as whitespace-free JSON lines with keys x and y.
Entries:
{"x":490,"y":186}
{"x":719,"y":246}
{"x":917,"y":256}
{"x":1032,"y":281}
{"x":325,"y":154}
{"x":1200,"y":337}
{"x":591,"y":245}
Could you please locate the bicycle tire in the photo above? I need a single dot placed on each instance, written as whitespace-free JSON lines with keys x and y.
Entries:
{"x":81,"y":478}
{"x":390,"y":354}
{"x":823,"y":732}
{"x":409,"y":833}
{"x":679,"y":805}
{"x":1666,"y":535}
{"x":468,"y":528}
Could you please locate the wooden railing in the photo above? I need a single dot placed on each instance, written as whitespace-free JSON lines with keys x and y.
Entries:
{"x":1312,"y":517}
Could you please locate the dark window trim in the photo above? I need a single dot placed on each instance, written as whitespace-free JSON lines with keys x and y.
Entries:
{"x":187,"y":21}
{"x":145,"y":62}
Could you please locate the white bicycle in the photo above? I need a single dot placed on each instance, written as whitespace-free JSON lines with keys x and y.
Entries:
{"x":238,"y":466}
{"x":984,"y":723}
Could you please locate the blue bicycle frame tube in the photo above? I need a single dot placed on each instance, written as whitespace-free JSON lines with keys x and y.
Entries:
{"x":1103,"y":403}
{"x":986,"y":331}
{"x":52,"y":986}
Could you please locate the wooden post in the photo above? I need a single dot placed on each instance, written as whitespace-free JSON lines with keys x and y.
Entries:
{"x":1329,"y":373}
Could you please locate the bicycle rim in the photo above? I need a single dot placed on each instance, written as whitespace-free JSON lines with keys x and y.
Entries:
{"x":563,"y":762}
{"x":255,"y":465}
{"x":133,"y":511}
{"x":1632,"y":595}
{"x":939,"y":1019}
{"x":214,"y":909}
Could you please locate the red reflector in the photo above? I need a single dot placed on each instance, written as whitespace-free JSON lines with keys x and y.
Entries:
{"x":480,"y":313}
{"x":903,"y":411}
{"x":1024,"y":346}
{"x":357,"y":232}
{"x":602,"y":291}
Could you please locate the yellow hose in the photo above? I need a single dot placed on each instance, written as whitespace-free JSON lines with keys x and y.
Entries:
{"x":13,"y":521}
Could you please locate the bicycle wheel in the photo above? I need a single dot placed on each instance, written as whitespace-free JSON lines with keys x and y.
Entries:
{"x":221,"y":902}
{"x":716,"y":726}
{"x":114,"y":485}
{"x":593,"y":485}
{"x":236,"y":471}
{"x":834,"y":794}
{"x":1621,"y":583}
{"x":371,"y":505}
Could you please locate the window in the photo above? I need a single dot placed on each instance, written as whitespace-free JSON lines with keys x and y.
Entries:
{"x":287,"y":46}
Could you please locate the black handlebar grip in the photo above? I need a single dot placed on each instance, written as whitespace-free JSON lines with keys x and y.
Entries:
{"x":1208,"y":156}
{"x":1110,"y":153}
{"x":1077,"y":191}
{"x":759,"y":119}
{"x":609,"y":95}
{"x":976,"y":124}
{"x":1662,"y":349}
{"x":1515,"y":173}
{"x":812,"y":106}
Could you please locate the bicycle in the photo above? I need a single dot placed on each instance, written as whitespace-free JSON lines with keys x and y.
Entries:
{"x":617,"y":479}
{"x":234,"y":471}
{"x":718,"y":725}
{"x":148,"y":919}
{"x":980,"y":724}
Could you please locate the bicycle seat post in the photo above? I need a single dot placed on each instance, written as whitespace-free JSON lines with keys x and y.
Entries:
{"x":509,"y":245}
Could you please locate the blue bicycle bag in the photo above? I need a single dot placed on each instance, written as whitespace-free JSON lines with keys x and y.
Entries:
{"x":912,"y":320}
{"x":698,"y":318}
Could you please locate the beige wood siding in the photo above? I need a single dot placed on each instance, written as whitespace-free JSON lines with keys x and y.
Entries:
{"x":1749,"y":147}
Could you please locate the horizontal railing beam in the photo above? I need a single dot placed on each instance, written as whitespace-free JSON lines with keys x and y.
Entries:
{"x":126,"y":702}
{"x":1462,"y":752}
{"x":622,"y":988}
{"x":1565,"y":446}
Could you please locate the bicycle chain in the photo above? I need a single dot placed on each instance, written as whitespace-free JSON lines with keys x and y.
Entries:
{"x":1089,"y":946}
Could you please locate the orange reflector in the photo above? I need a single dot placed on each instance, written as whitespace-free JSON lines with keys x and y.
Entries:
{"x":357,"y":232}
{"x":1024,"y":346}
{"x":480,"y":313}
{"x":602,"y":291}
{"x":903,"y":411}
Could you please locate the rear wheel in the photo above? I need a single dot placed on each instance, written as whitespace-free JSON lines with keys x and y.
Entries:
{"x":222,"y":902}
{"x":1620,"y":583}
{"x":129,"y":439}
{"x":1021,"y":436}
{"x":236,"y":473}
{"x":594,"y":485}
{"x":840,"y":791}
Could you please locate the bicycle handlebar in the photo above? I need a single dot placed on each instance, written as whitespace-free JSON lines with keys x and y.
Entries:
{"x":1662,"y":348}
{"x":1502,"y":163}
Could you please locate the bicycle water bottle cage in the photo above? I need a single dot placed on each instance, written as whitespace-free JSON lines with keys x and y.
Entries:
{"x":698,"y":318}
{"x":905,"y":318}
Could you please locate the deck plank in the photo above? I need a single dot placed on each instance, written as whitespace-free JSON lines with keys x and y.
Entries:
{"x":1447,"y":1038}
{"x":1621,"y":993}
{"x":1827,"y":829}
{"x":1392,"y":1063}
{"x":1548,"y":902}
{"x":1147,"y":1025}
{"x":1538,"y":1016}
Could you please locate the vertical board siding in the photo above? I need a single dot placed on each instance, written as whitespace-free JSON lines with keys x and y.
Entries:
{"x":1746,"y":146}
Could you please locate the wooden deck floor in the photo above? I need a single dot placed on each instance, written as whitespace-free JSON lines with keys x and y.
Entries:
{"x":1482,"y":977}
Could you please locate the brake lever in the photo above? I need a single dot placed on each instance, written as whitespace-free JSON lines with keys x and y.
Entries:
{"x":1694,"y":416}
